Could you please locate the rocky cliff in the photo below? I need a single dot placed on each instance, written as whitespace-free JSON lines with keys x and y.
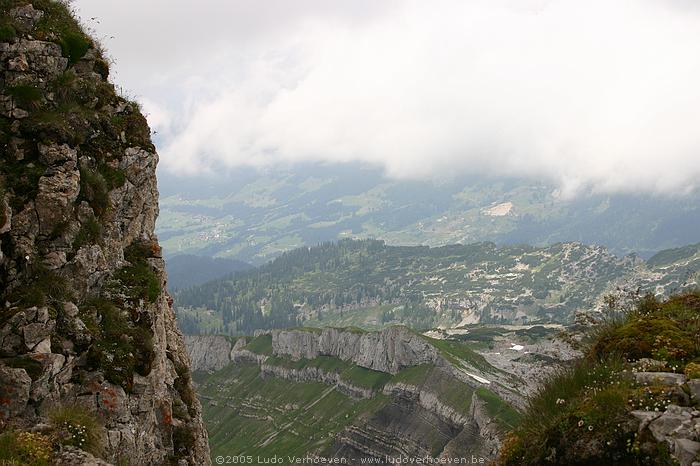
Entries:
{"x":208,"y":352}
{"x":387,"y":351}
{"x":90,"y":354}
{"x":360,"y":395}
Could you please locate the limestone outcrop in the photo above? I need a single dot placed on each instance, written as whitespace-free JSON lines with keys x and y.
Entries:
{"x":86,"y":322}
{"x":388,"y":351}
{"x":208,"y":352}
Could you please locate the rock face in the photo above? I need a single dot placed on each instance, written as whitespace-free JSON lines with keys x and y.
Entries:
{"x":208,"y":352}
{"x":387,"y":351}
{"x":85,"y":318}
{"x":416,"y":423}
{"x":439,"y":411}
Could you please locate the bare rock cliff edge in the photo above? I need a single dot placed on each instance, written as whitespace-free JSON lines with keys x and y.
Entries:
{"x":86,"y":324}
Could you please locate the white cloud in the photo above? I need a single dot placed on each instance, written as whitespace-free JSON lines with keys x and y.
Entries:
{"x":592,"y":95}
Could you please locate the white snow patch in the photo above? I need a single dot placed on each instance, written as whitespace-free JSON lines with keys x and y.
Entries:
{"x":517,"y":347}
{"x":478,"y":379}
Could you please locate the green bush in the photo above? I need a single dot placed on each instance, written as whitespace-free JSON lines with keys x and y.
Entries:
{"x":102,"y":68}
{"x":41,"y":287}
{"x":76,"y":426}
{"x":184,"y":388}
{"x":138,"y":279}
{"x":26,"y":96}
{"x":7,"y":32}
{"x":95,"y":185}
{"x":94,"y":189}
{"x":134,"y":126}
{"x":668,"y":331}
{"x":89,"y":233}
{"x":22,"y":179}
{"x":114,"y":177}
{"x":122,"y":346}
{"x":74,"y":46}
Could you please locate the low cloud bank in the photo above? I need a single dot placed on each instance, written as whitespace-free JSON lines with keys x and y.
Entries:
{"x":595,"y":95}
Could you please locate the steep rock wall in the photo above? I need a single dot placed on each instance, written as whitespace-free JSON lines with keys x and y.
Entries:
{"x":208,"y":352}
{"x":388,"y":351}
{"x":85,"y":318}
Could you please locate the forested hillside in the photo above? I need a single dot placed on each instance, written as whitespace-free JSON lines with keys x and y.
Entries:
{"x":188,"y":270}
{"x":370,"y":284}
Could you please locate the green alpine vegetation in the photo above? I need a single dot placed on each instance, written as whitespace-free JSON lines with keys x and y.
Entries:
{"x":371,"y":285}
{"x":620,"y":403}
{"x":332,"y":407}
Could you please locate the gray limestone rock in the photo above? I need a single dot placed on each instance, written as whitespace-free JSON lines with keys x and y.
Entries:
{"x":694,"y":387}
{"x":36,"y":332}
{"x":58,"y":191}
{"x":387,"y":351}
{"x":47,"y":215}
{"x":15,"y":385}
{"x":25,"y":17}
{"x":662,"y":378}
{"x":208,"y":353}
{"x":685,"y":450}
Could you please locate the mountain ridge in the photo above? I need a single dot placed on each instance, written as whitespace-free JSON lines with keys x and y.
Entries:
{"x":257,"y":215}
{"x":371,"y":284}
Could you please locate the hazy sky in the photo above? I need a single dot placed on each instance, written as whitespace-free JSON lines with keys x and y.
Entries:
{"x":592,"y":95}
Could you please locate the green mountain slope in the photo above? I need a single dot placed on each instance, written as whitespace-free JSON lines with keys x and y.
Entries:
{"x":187,"y":270}
{"x":268,"y":401}
{"x":255,"y":216}
{"x":369,"y":284}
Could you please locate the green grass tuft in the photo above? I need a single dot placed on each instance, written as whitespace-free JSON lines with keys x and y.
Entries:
{"x":41,"y":287}
{"x":26,"y":96}
{"x":89,"y":233}
{"x":74,"y":45}
{"x":78,"y":427}
{"x":123,"y":345}
{"x":7,"y":32}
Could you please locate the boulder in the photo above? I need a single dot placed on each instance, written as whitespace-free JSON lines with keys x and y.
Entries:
{"x":58,"y":190}
{"x":694,"y":387}
{"x":25,"y":17}
{"x":36,"y":332}
{"x":660,"y":378}
{"x":685,"y":450}
{"x":54,"y":154}
{"x":15,"y":385}
{"x":676,"y":422}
